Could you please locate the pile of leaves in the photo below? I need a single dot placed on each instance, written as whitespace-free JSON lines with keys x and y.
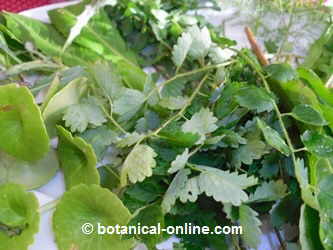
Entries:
{"x":184,"y":128}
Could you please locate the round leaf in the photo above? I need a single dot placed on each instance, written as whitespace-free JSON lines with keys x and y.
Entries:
{"x":89,"y":204}
{"x":19,"y":218}
{"x":321,"y":145}
{"x":30,"y":175}
{"x":22,"y":131}
{"x":307,"y":114}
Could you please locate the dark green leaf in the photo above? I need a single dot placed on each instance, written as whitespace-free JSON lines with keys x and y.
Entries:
{"x":319,"y":144}
{"x":307,"y":114}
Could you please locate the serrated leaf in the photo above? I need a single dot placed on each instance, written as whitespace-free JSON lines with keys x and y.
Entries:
{"x":269,"y":191}
{"x":307,"y":114}
{"x":128,"y":104}
{"x":248,"y":219}
{"x":77,"y":160}
{"x":181,"y":49}
{"x":201,"y":42}
{"x":178,"y":138}
{"x":273,"y":138}
{"x":219,"y":55}
{"x":224,"y":186}
{"x":175,"y":188}
{"x":55,"y":108}
{"x":79,"y":116}
{"x":19,"y":218}
{"x":129,"y":140}
{"x":318,"y":144}
{"x":89,"y":204}
{"x":179,"y":162}
{"x":282,"y":73}
{"x":22,"y":130}
{"x":100,"y":138}
{"x":138,"y":165}
{"x":191,"y":190}
{"x":30,"y":175}
{"x":202,"y":123}
{"x":174,"y":103}
{"x":254,"y":98}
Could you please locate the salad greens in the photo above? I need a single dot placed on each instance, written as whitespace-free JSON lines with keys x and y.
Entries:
{"x":184,"y":127}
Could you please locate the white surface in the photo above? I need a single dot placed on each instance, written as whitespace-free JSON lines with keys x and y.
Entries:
{"x":44,"y":240}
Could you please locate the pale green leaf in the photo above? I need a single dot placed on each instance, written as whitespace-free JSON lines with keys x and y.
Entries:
{"x":181,"y":49}
{"x":174,"y":103}
{"x":248,"y":219}
{"x":89,"y":204}
{"x":22,"y":130}
{"x":77,"y":160}
{"x":201,"y":42}
{"x":138,"y":165}
{"x":191,"y":191}
{"x":269,"y":191}
{"x":219,"y":55}
{"x":179,"y":162}
{"x":87,"y":113}
{"x":19,"y":217}
{"x":175,"y":188}
{"x":224,"y":186}
{"x":202,"y":123}
{"x":129,"y":140}
{"x":273,"y":138}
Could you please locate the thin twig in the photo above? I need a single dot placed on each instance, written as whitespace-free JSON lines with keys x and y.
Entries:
{"x":255,"y":47}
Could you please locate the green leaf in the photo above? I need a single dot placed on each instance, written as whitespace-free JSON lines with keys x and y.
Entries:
{"x":138,"y":165}
{"x":325,"y":196}
{"x":269,"y":191}
{"x":181,"y":49}
{"x":174,"y":103}
{"x":79,"y":116}
{"x":175,"y":188}
{"x":30,"y":175}
{"x":45,"y":38}
{"x":179,"y":162}
{"x":100,"y":36}
{"x":99,"y":138}
{"x":77,"y":160}
{"x":318,"y":144}
{"x":201,"y":42}
{"x":224,"y":186}
{"x":128,"y":104}
{"x":149,"y":216}
{"x":22,"y":130}
{"x":309,"y":229}
{"x":129,"y":140}
{"x":273,"y":138}
{"x":202,"y":123}
{"x":19,"y":218}
{"x":326,"y":232}
{"x":56,"y":107}
{"x":307,"y":114}
{"x":178,"y":138}
{"x":191,"y":190}
{"x":109,"y":177}
{"x":89,"y":204}
{"x":282,"y":73}
{"x":248,"y":219}
{"x":254,"y":98}
{"x":219,"y":55}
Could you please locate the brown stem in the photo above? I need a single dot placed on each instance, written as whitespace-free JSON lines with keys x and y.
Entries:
{"x":255,"y":47}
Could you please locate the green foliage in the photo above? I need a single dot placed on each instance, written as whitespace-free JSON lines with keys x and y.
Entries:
{"x":307,"y":114}
{"x":19,"y":218}
{"x":251,"y":226}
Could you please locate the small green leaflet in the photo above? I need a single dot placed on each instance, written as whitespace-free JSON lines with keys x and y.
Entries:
{"x":22,"y":130}
{"x":269,"y":191}
{"x":307,"y":114}
{"x":89,"y":204}
{"x":224,"y":186}
{"x":77,"y":160}
{"x":248,"y":219}
{"x":201,"y":42}
{"x":325,"y":196}
{"x":18,"y":213}
{"x":282,"y":73}
{"x":138,"y":165}
{"x":129,"y":140}
{"x":318,"y":144}
{"x":79,"y":116}
{"x":273,"y":138}
{"x":175,"y":188}
{"x":202,"y":123}
{"x":31,"y":175}
{"x":254,"y":98}
{"x":179,"y":162}
{"x":174,"y":103}
{"x":181,"y":49}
